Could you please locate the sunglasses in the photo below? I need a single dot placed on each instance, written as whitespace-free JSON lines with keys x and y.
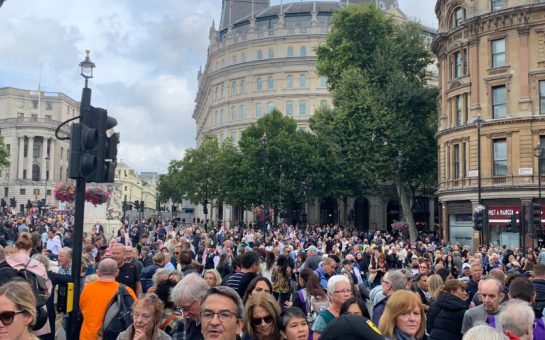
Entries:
{"x":7,"y":317}
{"x":259,"y":321}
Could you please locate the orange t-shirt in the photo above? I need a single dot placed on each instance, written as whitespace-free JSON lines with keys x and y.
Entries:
{"x":94,"y":301}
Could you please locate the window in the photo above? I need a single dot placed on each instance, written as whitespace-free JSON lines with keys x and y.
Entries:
{"x":222,"y":91}
{"x":233,"y":88}
{"x":302,"y":81}
{"x":542,"y":97}
{"x":302,"y":108}
{"x":270,"y":83}
{"x":233,"y":136}
{"x":8,"y":146}
{"x":6,"y":191}
{"x":500,"y":157}
{"x":22,"y":191}
{"x":499,"y":105}
{"x":289,"y":108}
{"x":290,"y":51}
{"x":234,"y":60}
{"x":259,"y":84}
{"x":458,"y":71}
{"x":34,"y":104}
{"x":243,"y":87}
{"x":259,"y":55}
{"x":242,"y":112}
{"x":258,"y":110}
{"x":323,"y":81}
{"x":289,"y":82}
{"x":323,"y":104}
{"x":234,"y":113}
{"x":243,"y":57}
{"x":222,"y":116}
{"x":458,"y":16}
{"x":456,"y":161}
{"x":303,"y":51}
{"x":459,"y":110}
{"x":271,"y":53}
{"x":270,"y":107}
{"x":497,"y":4}
{"x":498,"y":53}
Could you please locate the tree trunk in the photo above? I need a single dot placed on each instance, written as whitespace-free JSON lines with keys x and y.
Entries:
{"x":406,"y":206}
{"x":345,"y":211}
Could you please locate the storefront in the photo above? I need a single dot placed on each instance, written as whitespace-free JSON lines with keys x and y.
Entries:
{"x":461,"y":229}
{"x":502,"y":230}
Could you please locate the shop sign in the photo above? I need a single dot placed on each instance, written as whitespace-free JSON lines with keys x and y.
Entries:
{"x":502,"y":214}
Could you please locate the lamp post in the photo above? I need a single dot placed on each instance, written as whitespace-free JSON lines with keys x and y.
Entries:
{"x":87,"y":67}
{"x":539,"y":152}
{"x":46,"y":178}
{"x":265,"y":144}
{"x":479,"y":123}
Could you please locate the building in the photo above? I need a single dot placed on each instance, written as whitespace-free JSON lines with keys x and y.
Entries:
{"x":262,"y":57}
{"x":38,"y":160}
{"x":491,"y":65}
{"x":136,"y":187}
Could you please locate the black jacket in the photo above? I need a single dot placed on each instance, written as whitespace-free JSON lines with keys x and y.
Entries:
{"x":445,"y":317}
{"x":540,"y":296}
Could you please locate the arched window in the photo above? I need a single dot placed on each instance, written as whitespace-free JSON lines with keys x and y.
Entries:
{"x":234,"y":115}
{"x":290,"y":51}
{"x":259,"y":84}
{"x":458,"y":16}
{"x":234,"y":88}
{"x":243,"y":86}
{"x":259,"y":55}
{"x":303,"y":51}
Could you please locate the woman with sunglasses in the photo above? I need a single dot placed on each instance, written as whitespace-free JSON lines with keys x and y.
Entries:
{"x":17,"y":311}
{"x":147,"y":313}
{"x":260,"y":317}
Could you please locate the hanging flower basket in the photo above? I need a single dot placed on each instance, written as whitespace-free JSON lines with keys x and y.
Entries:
{"x":65,"y":192}
{"x":97,"y":195}
{"x":400,"y":226}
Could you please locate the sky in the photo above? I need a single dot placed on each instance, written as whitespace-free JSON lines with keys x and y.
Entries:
{"x":147,"y":55}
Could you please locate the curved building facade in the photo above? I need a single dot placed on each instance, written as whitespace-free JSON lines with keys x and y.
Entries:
{"x":262,"y":57}
{"x":491,"y":69}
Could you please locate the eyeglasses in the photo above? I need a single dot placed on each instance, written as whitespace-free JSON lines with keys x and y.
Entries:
{"x":145,"y":317}
{"x":344,"y":291}
{"x":259,"y":321}
{"x":224,"y":315}
{"x":186,"y":309}
{"x":384,"y":281}
{"x":8,"y":316}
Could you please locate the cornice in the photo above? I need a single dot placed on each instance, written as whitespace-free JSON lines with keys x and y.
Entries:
{"x":488,"y":123}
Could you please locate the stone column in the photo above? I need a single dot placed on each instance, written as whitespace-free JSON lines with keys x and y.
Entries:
{"x":43,"y":165}
{"x":30,"y":157}
{"x":21,"y":154}
{"x":51,"y":167}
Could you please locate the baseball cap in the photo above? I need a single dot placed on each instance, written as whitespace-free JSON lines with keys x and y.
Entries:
{"x":466,"y":265}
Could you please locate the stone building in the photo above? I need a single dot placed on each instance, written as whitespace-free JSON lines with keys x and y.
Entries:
{"x":262,"y":57}
{"x":491,"y":66}
{"x":38,"y":160}
{"x":131,"y":187}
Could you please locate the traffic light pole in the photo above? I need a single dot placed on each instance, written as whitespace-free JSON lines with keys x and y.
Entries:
{"x":77,"y":249}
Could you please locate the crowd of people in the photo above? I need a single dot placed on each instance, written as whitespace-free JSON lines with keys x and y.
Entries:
{"x":160,"y":279}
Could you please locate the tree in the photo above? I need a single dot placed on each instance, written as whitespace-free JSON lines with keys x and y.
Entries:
{"x":384,"y":109}
{"x":4,"y":154}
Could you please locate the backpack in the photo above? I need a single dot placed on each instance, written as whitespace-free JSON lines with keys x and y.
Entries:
{"x":313,"y":305}
{"x":38,"y":285}
{"x":118,"y":315}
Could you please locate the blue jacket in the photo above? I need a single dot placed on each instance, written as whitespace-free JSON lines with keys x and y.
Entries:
{"x":322,"y":276}
{"x":378,"y":310}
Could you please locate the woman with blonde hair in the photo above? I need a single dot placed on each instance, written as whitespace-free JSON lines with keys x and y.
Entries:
{"x":435,"y":286}
{"x":147,"y":313}
{"x":404,"y":317}
{"x":212,"y":278}
{"x":17,"y":311}
{"x":260,"y":317}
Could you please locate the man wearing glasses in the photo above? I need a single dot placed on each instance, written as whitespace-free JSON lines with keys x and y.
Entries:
{"x":221,"y":314}
{"x":187,"y":295}
{"x":392,"y":281}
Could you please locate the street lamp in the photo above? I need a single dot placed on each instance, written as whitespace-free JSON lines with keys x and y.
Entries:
{"x":479,"y":123}
{"x":539,"y":153}
{"x":87,"y":67}
{"x":46,"y":178}
{"x":265,"y":144}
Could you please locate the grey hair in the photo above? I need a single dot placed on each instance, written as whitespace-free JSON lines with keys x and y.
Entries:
{"x":397,"y":279}
{"x":68,"y":251}
{"x":516,"y":316}
{"x":157,"y":275}
{"x":227,"y":292}
{"x":43,"y":259}
{"x":288,"y":314}
{"x":107,"y":267}
{"x":192,"y":287}
{"x":334,"y":281}
{"x":483,"y":331}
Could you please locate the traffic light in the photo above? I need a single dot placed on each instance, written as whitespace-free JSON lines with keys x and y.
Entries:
{"x":12,"y":202}
{"x":136,"y":205}
{"x":205,"y":207}
{"x":536,"y":213}
{"x":142,"y":206}
{"x":479,"y":218}
{"x":93,"y":155}
{"x":512,"y":226}
{"x":267,"y":215}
